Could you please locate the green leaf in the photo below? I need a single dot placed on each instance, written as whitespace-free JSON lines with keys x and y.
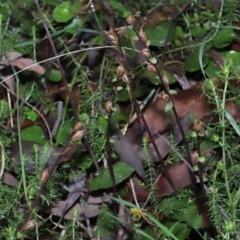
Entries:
{"x":120,"y":116}
{"x":76,"y":6}
{"x":75,"y":26}
{"x":128,"y":43}
{"x":121,"y":172}
{"x":120,"y":8}
{"x":142,"y":90}
{"x":233,"y":122}
{"x":223,"y":38}
{"x":197,"y":31}
{"x":211,"y":69}
{"x":98,"y":40}
{"x":63,"y":133}
{"x":32,"y":115}
{"x":192,"y":62}
{"x":180,"y":230}
{"x":63,"y":13}
{"x":102,"y":125}
{"x":190,"y":216}
{"x":158,"y":34}
{"x":55,"y":76}
{"x":179,"y":32}
{"x":33,"y":134}
{"x":123,"y":95}
{"x":234,"y":57}
{"x":170,"y":77}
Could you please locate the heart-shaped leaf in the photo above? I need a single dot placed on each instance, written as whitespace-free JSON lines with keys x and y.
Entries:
{"x":63,"y":13}
{"x":192,"y":62}
{"x":121,"y":172}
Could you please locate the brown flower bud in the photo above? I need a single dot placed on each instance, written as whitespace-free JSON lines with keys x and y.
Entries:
{"x":198,"y":125}
{"x":194,"y":158}
{"x":77,"y":127}
{"x":151,"y":68}
{"x":143,"y":36}
{"x":165,"y":97}
{"x":165,"y":80}
{"x":108,"y":106}
{"x":120,"y":31}
{"x":130,"y":20}
{"x":146,"y":52}
{"x":125,"y":78}
{"x":111,"y":36}
{"x":120,"y":71}
{"x":28,"y":225}
{"x":45,"y":175}
{"x":77,"y":136}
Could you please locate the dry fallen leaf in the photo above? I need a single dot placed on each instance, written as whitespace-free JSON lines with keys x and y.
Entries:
{"x":10,"y":180}
{"x":91,"y":211}
{"x":15,"y":59}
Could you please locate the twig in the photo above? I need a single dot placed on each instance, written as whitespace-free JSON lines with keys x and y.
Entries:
{"x":3,"y":161}
{"x":59,"y":118}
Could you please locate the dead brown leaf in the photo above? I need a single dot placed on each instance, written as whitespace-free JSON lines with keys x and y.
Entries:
{"x":15,"y":59}
{"x":10,"y":180}
{"x":91,"y":211}
{"x":179,"y":173}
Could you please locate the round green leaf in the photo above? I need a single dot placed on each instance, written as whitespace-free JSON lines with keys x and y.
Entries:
{"x":32,"y":115}
{"x":223,"y":38}
{"x":121,"y":172}
{"x":123,"y":95}
{"x":55,"y":76}
{"x":192,"y":62}
{"x":198,"y":31}
{"x":120,"y":116}
{"x":234,"y":57}
{"x":179,"y":32}
{"x":142,"y":90}
{"x":158,"y":34}
{"x":211,"y":69}
{"x":170,"y":77}
{"x":74,"y":26}
{"x":33,"y":134}
{"x":63,"y":13}
{"x":190,"y":216}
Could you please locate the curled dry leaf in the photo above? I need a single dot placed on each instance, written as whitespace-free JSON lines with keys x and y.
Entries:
{"x":15,"y":59}
{"x":9,"y":56}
